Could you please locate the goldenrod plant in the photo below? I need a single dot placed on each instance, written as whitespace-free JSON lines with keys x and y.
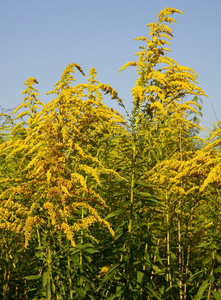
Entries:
{"x":158,"y":131}
{"x":58,"y":166}
{"x":95,"y":205}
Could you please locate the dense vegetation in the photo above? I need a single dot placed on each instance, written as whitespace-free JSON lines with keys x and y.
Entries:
{"x":94,"y":205}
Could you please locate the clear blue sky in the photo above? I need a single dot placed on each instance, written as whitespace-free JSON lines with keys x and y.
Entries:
{"x":40,"y":38}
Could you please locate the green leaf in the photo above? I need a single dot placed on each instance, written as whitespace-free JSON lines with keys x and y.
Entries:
{"x":154,"y":293}
{"x":201,"y":290}
{"x":38,"y":254}
{"x":117,"y":236}
{"x":74,"y":251}
{"x":203,"y":245}
{"x":218,"y":258}
{"x":135,"y":263}
{"x":145,"y":194}
{"x":81,"y":292}
{"x":53,"y":287}
{"x":158,"y":270}
{"x":147,"y":256}
{"x":110,"y":272}
{"x":84,"y":278}
{"x":217,"y":294}
{"x":114,"y":214}
{"x":48,"y":292}
{"x":119,"y":195}
{"x":32,"y":277}
{"x":83,"y":246}
{"x":88,"y":247}
{"x":91,"y":250}
{"x":144,"y":184}
{"x":45,"y":279}
{"x":140,"y":276}
{"x":162,"y":289}
{"x":193,"y":276}
{"x":113,"y":296}
{"x":87,"y":257}
{"x":217,"y":270}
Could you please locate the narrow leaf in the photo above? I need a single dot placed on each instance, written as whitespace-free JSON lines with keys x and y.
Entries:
{"x":202,"y":289}
{"x":32,"y":277}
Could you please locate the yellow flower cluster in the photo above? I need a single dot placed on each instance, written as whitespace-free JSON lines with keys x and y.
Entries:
{"x":168,"y":11}
{"x":58,"y":159}
{"x":29,"y":223}
{"x":69,"y":232}
{"x":167,"y":83}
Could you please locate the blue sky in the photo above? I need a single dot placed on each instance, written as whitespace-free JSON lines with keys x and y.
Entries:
{"x":40,"y":38}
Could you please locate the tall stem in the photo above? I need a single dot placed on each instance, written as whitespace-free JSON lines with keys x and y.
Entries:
{"x":211,"y":274}
{"x":49,"y":263}
{"x":188,"y":250}
{"x":179,"y":230}
{"x":134,"y":136}
{"x":40,"y":248}
{"x":169,"y":278}
{"x":69,"y":267}
{"x":81,"y":254}
{"x":69,"y":272}
{"x":130,"y":229}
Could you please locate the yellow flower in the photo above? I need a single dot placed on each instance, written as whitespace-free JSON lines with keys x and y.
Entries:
{"x":154,"y":39}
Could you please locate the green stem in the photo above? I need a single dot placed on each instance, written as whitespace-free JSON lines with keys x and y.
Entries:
{"x":69,"y":272}
{"x":168,"y":247}
{"x":49,"y":262}
{"x":188,"y":250}
{"x":39,"y":245}
{"x":69,"y":266}
{"x":179,"y":229}
{"x":135,"y":133}
{"x":129,"y":232}
{"x":81,"y":254}
{"x":144,"y":268}
{"x":211,"y":274}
